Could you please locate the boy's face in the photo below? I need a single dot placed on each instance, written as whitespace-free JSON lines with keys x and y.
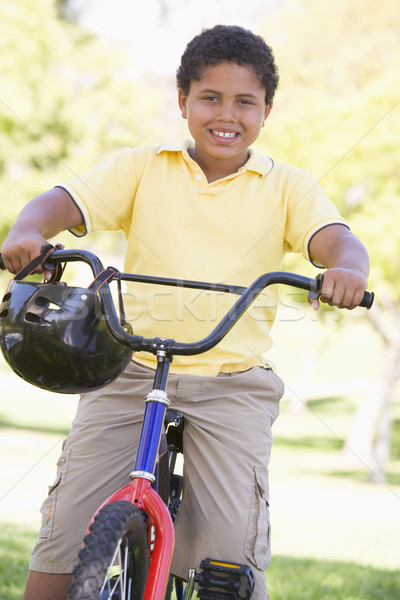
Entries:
{"x":225,"y":110}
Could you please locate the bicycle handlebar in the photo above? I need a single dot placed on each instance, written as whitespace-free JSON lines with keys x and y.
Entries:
{"x":153,"y":345}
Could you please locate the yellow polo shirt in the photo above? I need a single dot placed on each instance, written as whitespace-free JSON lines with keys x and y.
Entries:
{"x":178,"y":225}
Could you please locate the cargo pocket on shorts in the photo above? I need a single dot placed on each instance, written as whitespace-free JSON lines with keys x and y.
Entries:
{"x":258,"y":538}
{"x":49,"y":505}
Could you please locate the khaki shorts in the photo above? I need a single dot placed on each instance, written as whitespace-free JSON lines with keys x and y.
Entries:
{"x":227,"y":443}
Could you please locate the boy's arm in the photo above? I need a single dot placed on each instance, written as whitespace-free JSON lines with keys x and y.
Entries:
{"x":347,"y":263}
{"x":43,"y":217}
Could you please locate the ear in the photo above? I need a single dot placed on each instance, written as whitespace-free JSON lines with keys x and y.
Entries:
{"x":268,"y":108}
{"x":182,"y":101}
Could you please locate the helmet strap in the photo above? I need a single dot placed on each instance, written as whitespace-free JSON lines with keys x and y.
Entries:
{"x":31,"y":266}
{"x":106,"y":276}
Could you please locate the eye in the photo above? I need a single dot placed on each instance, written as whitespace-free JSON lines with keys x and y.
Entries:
{"x":211,"y":98}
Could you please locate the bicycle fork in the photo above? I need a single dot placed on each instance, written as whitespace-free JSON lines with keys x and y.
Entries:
{"x":140,"y":491}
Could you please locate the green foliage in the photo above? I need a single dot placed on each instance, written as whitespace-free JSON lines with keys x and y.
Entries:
{"x":338,"y":113}
{"x":67,"y":100}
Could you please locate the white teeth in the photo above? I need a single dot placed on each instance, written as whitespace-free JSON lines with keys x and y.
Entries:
{"x":223,"y":135}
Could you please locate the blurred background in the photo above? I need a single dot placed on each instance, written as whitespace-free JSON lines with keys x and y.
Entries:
{"x":80,"y":79}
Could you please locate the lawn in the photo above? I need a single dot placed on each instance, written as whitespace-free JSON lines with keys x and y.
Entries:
{"x":15,"y":545}
{"x":288,"y":578}
{"x":335,"y":536}
{"x":310,"y":579}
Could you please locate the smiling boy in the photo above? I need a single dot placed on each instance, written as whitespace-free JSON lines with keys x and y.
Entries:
{"x":225,"y":111}
{"x":211,"y":209}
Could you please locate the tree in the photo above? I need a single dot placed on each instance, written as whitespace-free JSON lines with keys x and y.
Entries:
{"x":338,"y":111}
{"x":67,"y":100}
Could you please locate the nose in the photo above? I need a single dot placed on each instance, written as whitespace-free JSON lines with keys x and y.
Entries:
{"x":227,"y":111}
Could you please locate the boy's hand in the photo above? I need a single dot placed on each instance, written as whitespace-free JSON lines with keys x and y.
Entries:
{"x":20,"y":248}
{"x":41,"y":219}
{"x":341,"y":287}
{"x":346,"y":260}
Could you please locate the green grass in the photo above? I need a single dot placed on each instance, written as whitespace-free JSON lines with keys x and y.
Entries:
{"x":335,"y":536}
{"x":288,"y":578}
{"x":305,"y":579}
{"x":15,"y":545}
{"x":319,"y":433}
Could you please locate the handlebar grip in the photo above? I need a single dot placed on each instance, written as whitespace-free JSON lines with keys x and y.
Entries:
{"x":368,"y":300}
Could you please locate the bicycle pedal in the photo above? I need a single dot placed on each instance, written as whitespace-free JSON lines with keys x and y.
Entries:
{"x":221,"y":580}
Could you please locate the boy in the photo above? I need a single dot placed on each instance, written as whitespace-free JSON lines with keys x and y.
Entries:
{"x":210,"y":210}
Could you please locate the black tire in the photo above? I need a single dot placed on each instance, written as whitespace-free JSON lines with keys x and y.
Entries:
{"x":118,"y":533}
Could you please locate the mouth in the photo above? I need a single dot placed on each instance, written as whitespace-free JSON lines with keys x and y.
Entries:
{"x":224,"y":136}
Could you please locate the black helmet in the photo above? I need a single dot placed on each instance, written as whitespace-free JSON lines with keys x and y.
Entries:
{"x":56,"y":337}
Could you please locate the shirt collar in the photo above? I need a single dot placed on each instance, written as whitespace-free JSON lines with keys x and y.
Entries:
{"x":257,"y":162}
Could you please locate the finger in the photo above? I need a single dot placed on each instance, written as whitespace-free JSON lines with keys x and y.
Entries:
{"x":11,"y":266}
{"x":313,"y":301}
{"x":353,"y":299}
{"x":358,"y":297}
{"x":20,"y":262}
{"x":336,"y":293}
{"x":48,"y":275}
{"x":16,"y":258}
{"x":15,"y":264}
{"x":329,"y":292}
{"x":344,"y":297}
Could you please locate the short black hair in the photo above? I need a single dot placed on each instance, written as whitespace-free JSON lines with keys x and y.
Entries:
{"x":228,"y":43}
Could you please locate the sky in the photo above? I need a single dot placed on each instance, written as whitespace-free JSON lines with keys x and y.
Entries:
{"x":157,"y":40}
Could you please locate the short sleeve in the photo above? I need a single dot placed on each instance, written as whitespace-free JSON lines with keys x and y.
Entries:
{"x":105,"y":195}
{"x":308,"y":211}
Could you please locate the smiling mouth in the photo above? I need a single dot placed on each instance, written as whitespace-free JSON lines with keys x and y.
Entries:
{"x":226,"y":135}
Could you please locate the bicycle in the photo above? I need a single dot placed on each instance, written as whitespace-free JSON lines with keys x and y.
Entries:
{"x":129,"y":543}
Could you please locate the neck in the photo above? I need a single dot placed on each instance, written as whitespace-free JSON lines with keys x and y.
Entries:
{"x":215,"y":169}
